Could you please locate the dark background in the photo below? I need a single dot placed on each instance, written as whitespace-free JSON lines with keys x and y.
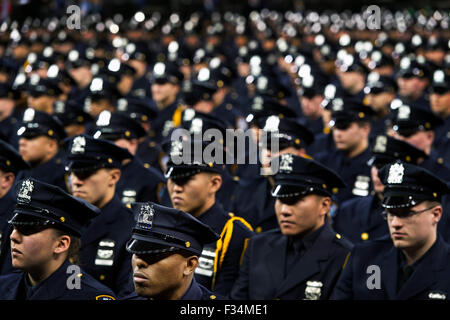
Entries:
{"x":16,"y":10}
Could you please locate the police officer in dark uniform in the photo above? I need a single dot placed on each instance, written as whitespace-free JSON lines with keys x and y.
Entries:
{"x":165,"y":84}
{"x":10,"y":164}
{"x":412,"y":79}
{"x":416,"y":124}
{"x":9,"y":114}
{"x":47,"y":225}
{"x":42,"y":93}
{"x":360,"y":219}
{"x":138,"y":57}
{"x":380,"y":91}
{"x":440,"y":105}
{"x":192,"y":187}
{"x":302,"y":259}
{"x":137,"y":183}
{"x":196,"y":122}
{"x":413,"y":264}
{"x":261,"y":108}
{"x":94,"y":166}
{"x":311,"y":95}
{"x":72,"y":116}
{"x":351,"y":128}
{"x":102,"y":96}
{"x":40,"y":135}
{"x":166,"y":245}
{"x":258,"y":206}
{"x":144,"y":111}
{"x":352,"y":72}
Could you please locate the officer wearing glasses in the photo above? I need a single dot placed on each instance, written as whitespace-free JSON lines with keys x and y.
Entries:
{"x":413,"y":263}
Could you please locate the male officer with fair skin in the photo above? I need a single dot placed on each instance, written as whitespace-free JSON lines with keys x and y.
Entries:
{"x":414,"y":261}
{"x":39,"y":138}
{"x":440,"y":105}
{"x":165,"y":87}
{"x":166,"y":245}
{"x":137,"y":183}
{"x":94,"y":168}
{"x":359,"y":219}
{"x":351,"y":128}
{"x":303,"y":259}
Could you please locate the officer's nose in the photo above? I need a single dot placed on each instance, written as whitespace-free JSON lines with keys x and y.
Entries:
{"x":177,"y":187}
{"x":15,"y":236}
{"x":396,"y":222}
{"x":285,"y":210}
{"x":139,"y":263}
{"x":75,"y":181}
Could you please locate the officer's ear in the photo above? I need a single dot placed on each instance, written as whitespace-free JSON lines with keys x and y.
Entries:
{"x":114,"y":174}
{"x":436,"y":212}
{"x":191,"y":265}
{"x":62,"y":243}
{"x":216,"y":182}
{"x":325,"y":204}
{"x":429,"y":136}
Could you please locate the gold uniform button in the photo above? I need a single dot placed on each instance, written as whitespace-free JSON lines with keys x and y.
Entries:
{"x":440,"y":160}
{"x":364,"y":236}
{"x":102,"y":277}
{"x":146,"y":165}
{"x":338,"y":236}
{"x":62,"y":219}
{"x":258,"y":229}
{"x":212,"y":297}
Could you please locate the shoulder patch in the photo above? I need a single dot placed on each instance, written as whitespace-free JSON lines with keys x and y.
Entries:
{"x":104,"y":297}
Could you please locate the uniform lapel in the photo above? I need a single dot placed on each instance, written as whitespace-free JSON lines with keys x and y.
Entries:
{"x":276,"y":259}
{"x":13,"y":290}
{"x":425,"y":274}
{"x":99,"y":226}
{"x":389,"y":273}
{"x":308,"y":265}
{"x":54,"y":286}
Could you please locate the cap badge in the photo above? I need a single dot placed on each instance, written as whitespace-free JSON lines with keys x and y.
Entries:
{"x":403,"y":112}
{"x":439,"y":76}
{"x":286,"y":162}
{"x":104,"y":119}
{"x":380,"y":144}
{"x":25,"y":191}
{"x":28,"y":115}
{"x":122,"y":105}
{"x":188,"y":114}
{"x":159,"y":69}
{"x":196,"y":125}
{"x":313,"y":290}
{"x":145,"y":219}
{"x":396,"y":172}
{"x":272,"y":124}
{"x":79,"y":145}
{"x":176,"y":149}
